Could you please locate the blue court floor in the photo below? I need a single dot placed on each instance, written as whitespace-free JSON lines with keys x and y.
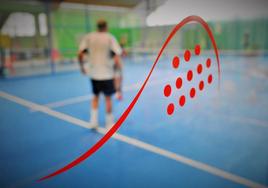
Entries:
{"x":218,"y":139}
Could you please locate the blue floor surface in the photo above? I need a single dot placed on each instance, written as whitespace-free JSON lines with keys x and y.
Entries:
{"x":225,"y":128}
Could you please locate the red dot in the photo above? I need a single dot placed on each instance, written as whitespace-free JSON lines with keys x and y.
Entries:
{"x":170,"y":109}
{"x":179,"y":82}
{"x":192,"y":92}
{"x":167,"y":90}
{"x":182,"y":100}
{"x":201,"y":85}
{"x":176,"y":62}
{"x":210,"y":79}
{"x":199,"y":68}
{"x":187,"y":55}
{"x":197,"y":49}
{"x":189,"y":75}
{"x":208,"y":63}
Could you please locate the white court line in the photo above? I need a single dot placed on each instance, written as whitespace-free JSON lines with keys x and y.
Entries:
{"x":239,"y":119}
{"x":245,"y":120}
{"x":140,"y":144}
{"x":69,"y":101}
{"x":83,"y":98}
{"x":45,"y":110}
{"x":136,"y":86}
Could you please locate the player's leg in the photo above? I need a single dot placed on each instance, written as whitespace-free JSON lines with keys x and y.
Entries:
{"x":94,"y":104}
{"x":94,"y":111}
{"x":118,"y":84}
{"x":109,"y":105}
{"x":108,"y":89}
{"x":118,"y":93}
{"x":109,"y":114}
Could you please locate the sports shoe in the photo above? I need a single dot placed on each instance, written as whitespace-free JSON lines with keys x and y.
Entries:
{"x":93,"y":123}
{"x":109,"y":120}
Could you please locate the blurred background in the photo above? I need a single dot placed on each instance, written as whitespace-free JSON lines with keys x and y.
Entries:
{"x":217,"y":139}
{"x":41,"y":37}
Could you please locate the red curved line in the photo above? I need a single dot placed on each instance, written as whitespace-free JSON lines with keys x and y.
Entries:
{"x":116,"y":126}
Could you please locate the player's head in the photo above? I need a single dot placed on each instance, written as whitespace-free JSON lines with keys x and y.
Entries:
{"x":102,"y":25}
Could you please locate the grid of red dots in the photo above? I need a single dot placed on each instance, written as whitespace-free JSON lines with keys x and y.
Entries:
{"x":179,"y":81}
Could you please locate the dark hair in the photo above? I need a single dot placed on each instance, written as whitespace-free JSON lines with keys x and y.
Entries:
{"x":101,"y":25}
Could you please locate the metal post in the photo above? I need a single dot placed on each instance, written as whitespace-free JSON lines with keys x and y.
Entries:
{"x":49,"y":35}
{"x":37,"y":32}
{"x":87,"y":21}
{"x":2,"y":62}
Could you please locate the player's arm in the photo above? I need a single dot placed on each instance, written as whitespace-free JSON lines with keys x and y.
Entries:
{"x":81,"y":61}
{"x":116,"y":51}
{"x":83,"y":49}
{"x":118,"y":62}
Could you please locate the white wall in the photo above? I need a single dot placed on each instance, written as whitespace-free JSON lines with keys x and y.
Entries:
{"x":174,"y":11}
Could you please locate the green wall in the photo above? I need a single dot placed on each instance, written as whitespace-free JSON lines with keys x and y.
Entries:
{"x":231,"y":35}
{"x":70,"y":25}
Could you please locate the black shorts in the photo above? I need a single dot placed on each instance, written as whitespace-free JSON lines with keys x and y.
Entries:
{"x":103,"y":86}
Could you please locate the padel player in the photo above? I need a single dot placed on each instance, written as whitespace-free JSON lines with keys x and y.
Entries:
{"x":99,"y":46}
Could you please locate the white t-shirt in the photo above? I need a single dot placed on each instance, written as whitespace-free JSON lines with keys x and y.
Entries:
{"x":99,"y":46}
